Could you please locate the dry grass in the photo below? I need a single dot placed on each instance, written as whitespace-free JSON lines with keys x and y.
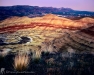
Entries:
{"x":36,"y":55}
{"x":21,"y":62}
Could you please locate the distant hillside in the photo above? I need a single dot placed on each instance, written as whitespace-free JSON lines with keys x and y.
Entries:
{"x":33,"y":11}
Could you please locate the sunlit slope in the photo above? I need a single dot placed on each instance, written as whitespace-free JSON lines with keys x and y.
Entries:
{"x":87,"y":20}
{"x":47,"y":19}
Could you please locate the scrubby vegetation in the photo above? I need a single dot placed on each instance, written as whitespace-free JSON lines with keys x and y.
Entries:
{"x":50,"y":64}
{"x":21,"y":62}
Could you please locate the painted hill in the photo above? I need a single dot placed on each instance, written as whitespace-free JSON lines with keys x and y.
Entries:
{"x":47,"y":19}
{"x":48,"y":33}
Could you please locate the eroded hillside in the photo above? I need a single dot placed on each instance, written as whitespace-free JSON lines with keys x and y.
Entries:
{"x":48,"y":33}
